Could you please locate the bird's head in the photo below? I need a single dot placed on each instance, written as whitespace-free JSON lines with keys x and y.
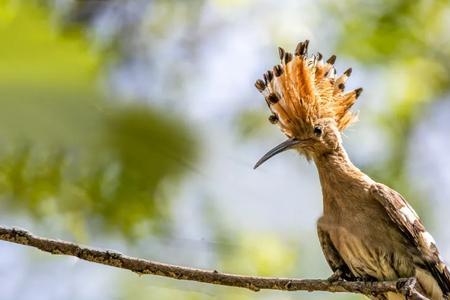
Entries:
{"x":307,"y":102}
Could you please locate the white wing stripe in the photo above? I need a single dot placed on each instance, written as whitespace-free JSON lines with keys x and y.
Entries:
{"x":409,"y":214}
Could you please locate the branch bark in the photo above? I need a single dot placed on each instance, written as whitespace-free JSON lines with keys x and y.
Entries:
{"x":254,"y":283}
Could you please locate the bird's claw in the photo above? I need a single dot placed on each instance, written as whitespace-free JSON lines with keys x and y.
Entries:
{"x":407,"y":286}
{"x":338,"y":275}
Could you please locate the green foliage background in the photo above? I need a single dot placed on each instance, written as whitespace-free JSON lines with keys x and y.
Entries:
{"x":66,"y":150}
{"x":74,"y":157}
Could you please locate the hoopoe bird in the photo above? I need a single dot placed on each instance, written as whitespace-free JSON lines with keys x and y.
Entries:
{"x":367,"y":231}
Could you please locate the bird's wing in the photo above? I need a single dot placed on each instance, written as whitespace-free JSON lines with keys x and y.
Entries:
{"x":404,"y":216}
{"x":332,"y":256}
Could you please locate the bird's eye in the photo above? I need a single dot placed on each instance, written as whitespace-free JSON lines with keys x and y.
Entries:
{"x":317,"y":131}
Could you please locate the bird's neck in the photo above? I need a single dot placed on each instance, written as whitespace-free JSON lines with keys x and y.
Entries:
{"x":339,"y":179}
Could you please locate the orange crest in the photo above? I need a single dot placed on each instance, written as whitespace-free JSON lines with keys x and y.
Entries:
{"x":303,"y":89}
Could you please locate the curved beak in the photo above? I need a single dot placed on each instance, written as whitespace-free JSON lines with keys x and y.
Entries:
{"x":286,"y":145}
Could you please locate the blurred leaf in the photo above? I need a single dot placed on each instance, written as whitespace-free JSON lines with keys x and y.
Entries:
{"x":34,"y":54}
{"x":69,"y":155}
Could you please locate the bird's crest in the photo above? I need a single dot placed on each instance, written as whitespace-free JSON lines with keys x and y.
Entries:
{"x":303,"y":89}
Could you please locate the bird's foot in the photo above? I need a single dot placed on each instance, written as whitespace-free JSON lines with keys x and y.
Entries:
{"x":340,"y":275}
{"x":406,"y":283}
{"x":407,"y":286}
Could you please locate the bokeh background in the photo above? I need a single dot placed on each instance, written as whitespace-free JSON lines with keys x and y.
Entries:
{"x":134,"y":125}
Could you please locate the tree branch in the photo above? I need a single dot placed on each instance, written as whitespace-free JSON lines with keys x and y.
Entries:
{"x":142,"y":266}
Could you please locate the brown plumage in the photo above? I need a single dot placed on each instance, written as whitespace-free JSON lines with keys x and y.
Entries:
{"x":367,"y":231}
{"x":309,"y":91}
